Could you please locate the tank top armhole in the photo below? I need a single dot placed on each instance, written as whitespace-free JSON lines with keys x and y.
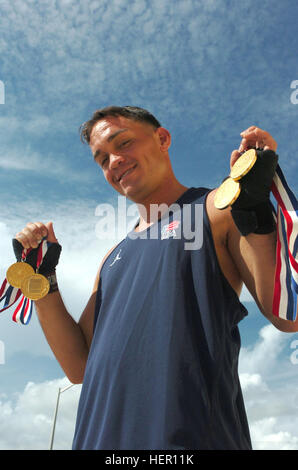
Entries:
{"x":98,"y":295}
{"x":97,"y":304}
{"x":225,"y":282}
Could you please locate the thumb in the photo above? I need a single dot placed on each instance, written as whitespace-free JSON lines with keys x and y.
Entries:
{"x":51,"y":237}
{"x":234,"y":156}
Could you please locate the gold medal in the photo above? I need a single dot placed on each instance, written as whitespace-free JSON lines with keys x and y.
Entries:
{"x":35,"y":287}
{"x":17,"y":272}
{"x":227,"y":193}
{"x":244,"y":163}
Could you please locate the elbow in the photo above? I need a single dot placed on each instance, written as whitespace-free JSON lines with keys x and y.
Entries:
{"x":75,"y":380}
{"x":289,"y":327}
{"x":75,"y":376}
{"x":285,"y":326}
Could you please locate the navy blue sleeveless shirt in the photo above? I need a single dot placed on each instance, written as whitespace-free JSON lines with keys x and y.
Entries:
{"x":162,"y":371}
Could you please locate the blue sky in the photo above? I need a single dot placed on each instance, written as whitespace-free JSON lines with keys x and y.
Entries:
{"x":207,"y":69}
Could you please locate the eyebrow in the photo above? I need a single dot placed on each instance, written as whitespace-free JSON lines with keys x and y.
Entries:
{"x":109,"y":139}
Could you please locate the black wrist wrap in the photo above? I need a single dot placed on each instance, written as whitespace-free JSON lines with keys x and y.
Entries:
{"x":49,"y":262}
{"x":258,"y":219}
{"x":252,"y":211}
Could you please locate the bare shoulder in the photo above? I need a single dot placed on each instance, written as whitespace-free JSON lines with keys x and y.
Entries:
{"x":219,"y":219}
{"x":221,"y":224}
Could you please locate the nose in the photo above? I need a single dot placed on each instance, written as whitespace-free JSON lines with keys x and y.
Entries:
{"x":115,"y":160}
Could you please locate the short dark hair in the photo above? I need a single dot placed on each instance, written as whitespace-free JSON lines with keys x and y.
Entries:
{"x":130,"y":112}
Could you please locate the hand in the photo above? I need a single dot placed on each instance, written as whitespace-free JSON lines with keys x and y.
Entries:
{"x":32,"y":234}
{"x":253,"y":137}
{"x":30,"y":237}
{"x":252,"y":211}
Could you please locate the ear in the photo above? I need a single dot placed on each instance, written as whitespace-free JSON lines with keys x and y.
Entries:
{"x":164,"y":138}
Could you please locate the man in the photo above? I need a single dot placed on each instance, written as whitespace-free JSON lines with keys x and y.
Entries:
{"x":157,"y":345}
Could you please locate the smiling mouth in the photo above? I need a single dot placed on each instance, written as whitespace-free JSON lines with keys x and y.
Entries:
{"x":127,"y":172}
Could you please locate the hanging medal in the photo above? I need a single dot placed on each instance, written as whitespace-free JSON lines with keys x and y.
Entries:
{"x":17,"y":272}
{"x":35,"y":286}
{"x":285,"y":300}
{"x":25,"y":284}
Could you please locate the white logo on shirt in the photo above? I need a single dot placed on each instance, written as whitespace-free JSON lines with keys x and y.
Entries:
{"x":117,"y":257}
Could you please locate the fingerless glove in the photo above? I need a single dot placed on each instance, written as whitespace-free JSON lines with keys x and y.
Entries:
{"x":49,"y":262}
{"x":252,"y":211}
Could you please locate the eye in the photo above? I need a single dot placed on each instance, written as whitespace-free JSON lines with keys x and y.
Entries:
{"x":125,"y":143}
{"x":104,"y":160}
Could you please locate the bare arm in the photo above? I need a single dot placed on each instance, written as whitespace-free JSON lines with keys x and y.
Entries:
{"x":254,"y":256}
{"x":69,"y":340}
{"x":249,"y":260}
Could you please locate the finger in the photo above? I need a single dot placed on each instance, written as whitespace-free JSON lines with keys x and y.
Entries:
{"x":23,"y":239}
{"x":31,"y":235}
{"x":37,"y":232}
{"x":249,"y":129}
{"x":234,"y":157}
{"x":243,"y":145}
{"x":254,"y":137}
{"x":51,"y":234}
{"x":38,"y":229}
{"x":252,"y":133}
{"x":265,"y":140}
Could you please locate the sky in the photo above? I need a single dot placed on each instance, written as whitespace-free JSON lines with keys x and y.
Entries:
{"x":207,"y":69}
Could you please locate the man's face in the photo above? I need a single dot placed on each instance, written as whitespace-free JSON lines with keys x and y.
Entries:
{"x":133,"y":155}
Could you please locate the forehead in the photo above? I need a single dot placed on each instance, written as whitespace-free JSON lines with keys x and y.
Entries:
{"x":108,"y":126}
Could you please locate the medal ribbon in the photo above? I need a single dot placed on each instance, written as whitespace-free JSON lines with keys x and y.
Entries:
{"x":10,"y":294}
{"x":286,"y":271}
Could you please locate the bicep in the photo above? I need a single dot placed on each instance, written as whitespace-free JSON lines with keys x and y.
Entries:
{"x":255,"y":257}
{"x":240,"y":252}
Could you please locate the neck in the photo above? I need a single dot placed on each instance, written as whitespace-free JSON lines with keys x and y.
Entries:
{"x":163,"y":196}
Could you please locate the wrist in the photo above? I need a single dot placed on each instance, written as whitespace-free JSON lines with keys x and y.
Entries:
{"x":258,"y":219}
{"x":52,"y":278}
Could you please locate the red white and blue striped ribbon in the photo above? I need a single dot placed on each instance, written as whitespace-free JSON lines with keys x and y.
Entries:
{"x":10,"y":294}
{"x":286,"y":272}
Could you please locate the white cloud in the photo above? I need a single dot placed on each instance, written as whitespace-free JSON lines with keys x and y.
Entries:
{"x":29,"y":162}
{"x":27,"y":421}
{"x":78,"y":55}
{"x":262,"y":356}
{"x":271,"y":406}
{"x":268,"y":436}
{"x":250,"y":380}
{"x":269,"y":382}
{"x":74,"y":223}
